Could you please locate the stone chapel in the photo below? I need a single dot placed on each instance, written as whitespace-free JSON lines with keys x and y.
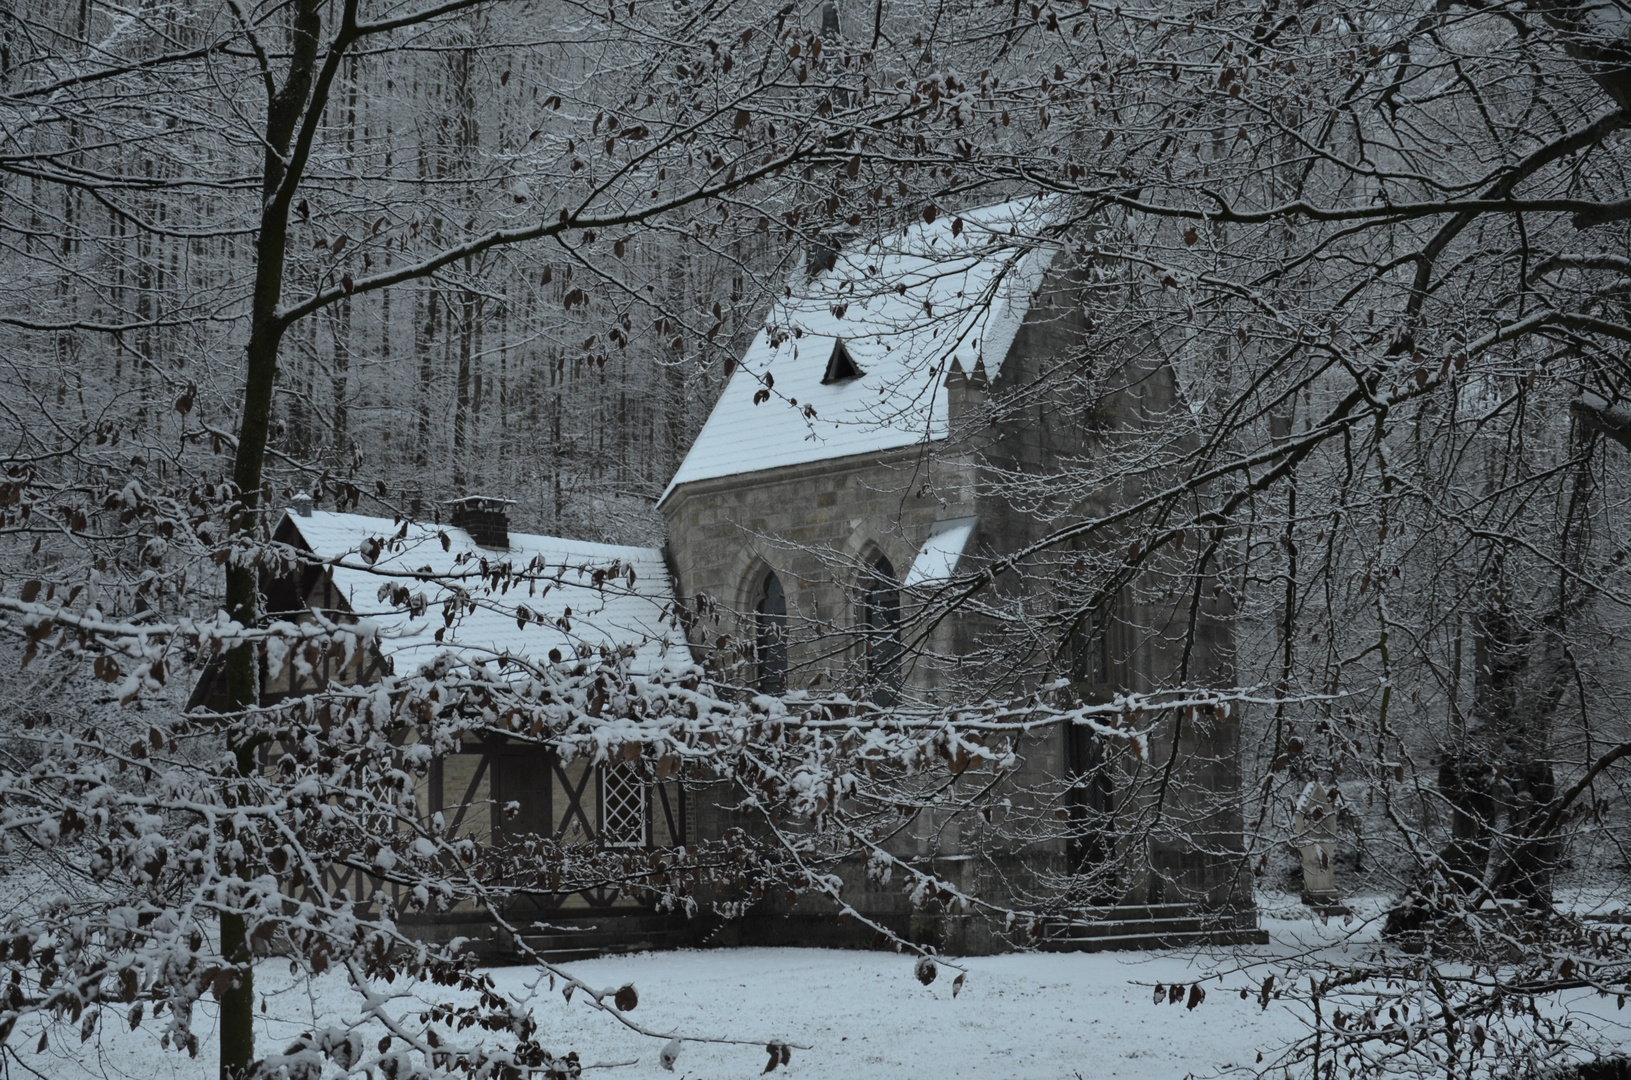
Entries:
{"x":853,"y":469}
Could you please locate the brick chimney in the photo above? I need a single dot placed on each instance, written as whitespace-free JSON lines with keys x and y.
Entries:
{"x":485,"y":518}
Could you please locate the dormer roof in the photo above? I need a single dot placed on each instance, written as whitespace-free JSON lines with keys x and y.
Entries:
{"x":840,"y":364}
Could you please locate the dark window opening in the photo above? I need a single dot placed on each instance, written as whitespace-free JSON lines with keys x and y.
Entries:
{"x":883,"y":646}
{"x":1091,"y":801}
{"x":1090,"y":648}
{"x":523,"y":779}
{"x":841,"y":365}
{"x":770,"y":637}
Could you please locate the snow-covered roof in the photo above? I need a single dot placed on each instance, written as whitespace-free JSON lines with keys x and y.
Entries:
{"x":625,"y":608}
{"x":905,"y":308}
{"x":937,"y":560}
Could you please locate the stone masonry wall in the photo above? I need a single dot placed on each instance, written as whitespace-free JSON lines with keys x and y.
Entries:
{"x":817,"y":525}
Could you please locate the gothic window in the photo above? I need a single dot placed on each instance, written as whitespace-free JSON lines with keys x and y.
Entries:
{"x":1091,"y":799}
{"x":1090,"y":647}
{"x":882,"y":620}
{"x":770,"y":636}
{"x":622,"y":806}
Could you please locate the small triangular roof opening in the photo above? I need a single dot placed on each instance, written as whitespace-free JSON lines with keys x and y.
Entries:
{"x":840,"y":365}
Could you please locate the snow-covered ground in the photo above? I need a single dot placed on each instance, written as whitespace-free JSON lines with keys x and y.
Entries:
{"x":847,"y":1014}
{"x":861,"y":1014}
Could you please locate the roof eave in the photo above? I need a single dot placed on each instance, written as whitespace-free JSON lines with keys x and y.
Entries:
{"x":816,"y":465}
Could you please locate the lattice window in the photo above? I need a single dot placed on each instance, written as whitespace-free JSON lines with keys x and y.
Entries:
{"x":622,"y":806}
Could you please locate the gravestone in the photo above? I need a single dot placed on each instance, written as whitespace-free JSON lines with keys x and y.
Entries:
{"x":1314,"y":823}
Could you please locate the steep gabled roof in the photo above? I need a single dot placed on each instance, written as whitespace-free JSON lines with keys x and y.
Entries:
{"x":903,"y":309}
{"x":625,"y":608}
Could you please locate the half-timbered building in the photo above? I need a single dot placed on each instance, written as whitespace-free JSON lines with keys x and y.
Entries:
{"x":419,"y":587}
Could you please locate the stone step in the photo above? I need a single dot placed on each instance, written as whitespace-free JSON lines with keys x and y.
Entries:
{"x":561,"y":949}
{"x":1190,"y":925}
{"x":594,"y":922}
{"x":1129,"y":912}
{"x":613,"y":934}
{"x":565,"y":956}
{"x":1157,"y":940}
{"x":1144,"y":926}
{"x":582,"y":938}
{"x":1124,"y":912}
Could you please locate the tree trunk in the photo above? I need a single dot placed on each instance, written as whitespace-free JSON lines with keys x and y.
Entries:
{"x":461,"y":402}
{"x":1498,"y":779}
{"x":284,"y":112}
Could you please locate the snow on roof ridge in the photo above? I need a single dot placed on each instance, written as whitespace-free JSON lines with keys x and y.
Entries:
{"x":390,"y":526}
{"x":955,"y":290}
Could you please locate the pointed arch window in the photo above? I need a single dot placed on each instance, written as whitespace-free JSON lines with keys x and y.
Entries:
{"x":1090,"y":647}
{"x":882,"y":620}
{"x":770,"y":636}
{"x":1091,"y":800}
